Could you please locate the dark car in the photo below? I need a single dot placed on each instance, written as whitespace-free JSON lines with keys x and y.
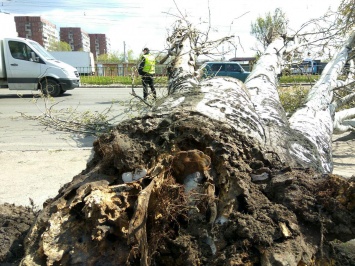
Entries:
{"x":229,"y":69}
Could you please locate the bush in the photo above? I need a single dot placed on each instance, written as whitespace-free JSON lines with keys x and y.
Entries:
{"x":292,"y":97}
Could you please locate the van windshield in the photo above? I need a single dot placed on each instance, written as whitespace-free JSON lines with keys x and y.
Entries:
{"x":41,"y":51}
{"x":306,"y":64}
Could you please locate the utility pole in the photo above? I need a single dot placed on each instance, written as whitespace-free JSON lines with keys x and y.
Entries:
{"x":124,"y":52}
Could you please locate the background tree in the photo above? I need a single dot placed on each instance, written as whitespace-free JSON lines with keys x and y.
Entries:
{"x":129,"y":56}
{"x":346,"y":20}
{"x":112,"y":57}
{"x":59,"y":46}
{"x":116,"y":57}
{"x":266,"y":28}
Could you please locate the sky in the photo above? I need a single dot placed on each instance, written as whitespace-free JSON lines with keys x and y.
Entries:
{"x":135,"y":24}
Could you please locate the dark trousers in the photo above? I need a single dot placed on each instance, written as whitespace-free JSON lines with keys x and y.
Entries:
{"x":148,"y":80}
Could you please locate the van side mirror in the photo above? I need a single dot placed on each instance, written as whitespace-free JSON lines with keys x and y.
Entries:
{"x":34,"y":58}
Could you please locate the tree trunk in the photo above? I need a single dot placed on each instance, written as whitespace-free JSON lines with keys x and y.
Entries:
{"x":315,"y":119}
{"x":279,"y":137}
{"x":208,"y":178}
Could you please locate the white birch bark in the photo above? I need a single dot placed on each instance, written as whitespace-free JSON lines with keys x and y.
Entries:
{"x":303,"y":141}
{"x":221,"y":99}
{"x":340,"y":117}
{"x":341,"y":102}
{"x":262,"y":84}
{"x":182,"y":77}
{"x":280,"y":138}
{"x":315,"y":119}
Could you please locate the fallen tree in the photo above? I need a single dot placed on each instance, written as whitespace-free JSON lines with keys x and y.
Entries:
{"x":215,"y":175}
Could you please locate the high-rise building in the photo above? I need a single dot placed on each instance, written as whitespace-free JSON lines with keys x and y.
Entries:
{"x":37,"y":29}
{"x":99,"y":44}
{"x":77,"y":38}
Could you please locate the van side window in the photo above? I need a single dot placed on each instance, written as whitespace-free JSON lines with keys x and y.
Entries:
{"x":217,"y":67}
{"x":20,"y":50}
{"x":306,"y":64}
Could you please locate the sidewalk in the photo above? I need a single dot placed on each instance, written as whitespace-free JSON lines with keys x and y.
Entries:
{"x":344,"y":154}
{"x":38,"y":174}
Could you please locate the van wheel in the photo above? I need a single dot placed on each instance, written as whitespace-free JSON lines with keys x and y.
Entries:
{"x":51,"y":87}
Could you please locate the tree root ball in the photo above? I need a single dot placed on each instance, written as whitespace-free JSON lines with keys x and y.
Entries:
{"x":198,"y":203}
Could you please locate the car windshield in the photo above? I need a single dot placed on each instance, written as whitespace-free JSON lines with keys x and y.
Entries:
{"x":41,"y":51}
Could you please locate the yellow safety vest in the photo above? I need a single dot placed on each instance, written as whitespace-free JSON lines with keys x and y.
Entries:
{"x":149,"y":64}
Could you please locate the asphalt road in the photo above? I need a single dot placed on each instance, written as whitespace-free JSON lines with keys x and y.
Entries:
{"x":18,"y":133}
{"x":36,"y":161}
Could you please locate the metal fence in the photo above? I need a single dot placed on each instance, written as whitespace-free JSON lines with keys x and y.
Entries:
{"x":109,"y":70}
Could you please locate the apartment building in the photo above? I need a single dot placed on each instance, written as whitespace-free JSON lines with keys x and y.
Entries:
{"x":43,"y":32}
{"x":77,"y":38}
{"x":99,"y":44}
{"x":37,"y":29}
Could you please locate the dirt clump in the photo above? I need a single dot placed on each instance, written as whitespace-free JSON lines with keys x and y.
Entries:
{"x":15,"y":221}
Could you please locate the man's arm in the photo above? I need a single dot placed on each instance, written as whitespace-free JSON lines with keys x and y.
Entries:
{"x":141,"y":66}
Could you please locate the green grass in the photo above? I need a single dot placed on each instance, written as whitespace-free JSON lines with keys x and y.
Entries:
{"x":162,"y":80}
{"x":299,"y":79}
{"x":122,"y":80}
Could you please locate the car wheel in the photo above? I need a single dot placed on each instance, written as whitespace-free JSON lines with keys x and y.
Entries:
{"x":51,"y":87}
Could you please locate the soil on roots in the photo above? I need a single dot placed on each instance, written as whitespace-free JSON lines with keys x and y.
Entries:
{"x":15,"y":221}
{"x":202,"y":201}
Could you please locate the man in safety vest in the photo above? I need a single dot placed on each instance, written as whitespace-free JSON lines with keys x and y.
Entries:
{"x":146,"y":69}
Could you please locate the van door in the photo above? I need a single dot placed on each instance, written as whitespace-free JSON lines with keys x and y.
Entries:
{"x":22,"y":72}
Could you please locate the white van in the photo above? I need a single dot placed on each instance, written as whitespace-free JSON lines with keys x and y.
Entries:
{"x":26,"y":65}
